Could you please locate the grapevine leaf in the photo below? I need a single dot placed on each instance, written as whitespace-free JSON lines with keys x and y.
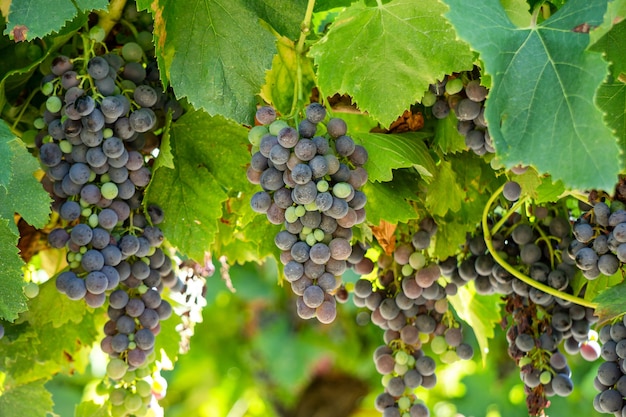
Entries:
{"x":444,"y":183}
{"x":402,"y":31}
{"x":541,"y":104}
{"x":31,"y":399}
{"x":91,"y":409}
{"x":281,"y":80}
{"x":284,"y":17}
{"x":30,"y":19}
{"x":615,"y":13}
{"x":612,"y":100}
{"x":321,"y":5}
{"x":55,"y":309}
{"x":12,"y":298}
{"x":517,"y":10}
{"x":598,"y":285}
{"x":183,"y":192}
{"x":24,"y":194}
{"x":168,"y":342}
{"x":611,"y":46}
{"x":218,"y":44}
{"x":540,"y":188}
{"x":451,"y":234}
{"x":610,"y":302}
{"x":388,"y":201}
{"x":6,"y":155}
{"x":481,"y":313}
{"x":165,"y":158}
{"x":389,"y":152}
{"x":447,"y":137}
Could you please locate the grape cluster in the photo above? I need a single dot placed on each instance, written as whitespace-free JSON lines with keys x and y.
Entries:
{"x":466,"y":99}
{"x":610,"y":380}
{"x":409,"y":303}
{"x":541,"y":323}
{"x":600,"y":244}
{"x":310,"y":185}
{"x":94,"y":146}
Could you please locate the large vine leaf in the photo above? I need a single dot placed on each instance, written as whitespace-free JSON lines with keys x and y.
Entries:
{"x":30,"y":19}
{"x":26,"y":400}
{"x":389,"y":152}
{"x":284,"y":16}
{"x":214,"y":52}
{"x":611,"y":302}
{"x":390,"y":201}
{"x":612,"y":100}
{"x":12,"y":298}
{"x":541,"y":109}
{"x":6,"y":155}
{"x":382,"y":56}
{"x":481,"y":313}
{"x":612,"y":46}
{"x":281,"y":80}
{"x":210,"y":155}
{"x":24,"y":194}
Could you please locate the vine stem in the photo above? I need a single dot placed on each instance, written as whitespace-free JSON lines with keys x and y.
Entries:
{"x":522,"y":277}
{"x":305,"y":28}
{"x":109,"y":18}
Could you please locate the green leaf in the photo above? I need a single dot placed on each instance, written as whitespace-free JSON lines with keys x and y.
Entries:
{"x":611,"y":99}
{"x":214,"y":52}
{"x":444,"y":192}
{"x":281,"y":80}
{"x":26,"y":400}
{"x":388,"y":200}
{"x":447,"y":137}
{"x":51,"y":308}
{"x":611,"y":302}
{"x":615,"y":13}
{"x":389,"y":152}
{"x":541,"y":109}
{"x":30,"y":19}
{"x":6,"y":154}
{"x":374,"y":53}
{"x":598,"y":285}
{"x":481,"y":313}
{"x":24,"y":194}
{"x":210,"y":155}
{"x":284,"y":16}
{"x":611,"y":46}
{"x":91,"y":409}
{"x":517,"y":11}
{"x":451,"y":234}
{"x":168,"y":341}
{"x":12,"y":298}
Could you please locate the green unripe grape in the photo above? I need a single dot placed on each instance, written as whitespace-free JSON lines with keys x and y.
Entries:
{"x":47,"y":89}
{"x":143,"y":288}
{"x":143,"y":372}
{"x":84,"y":204}
{"x":74,"y":265}
{"x":524,"y":361}
{"x":410,"y":362}
{"x":97,"y":34}
{"x":31,"y":290}
{"x":66,"y":146}
{"x":424,"y":337}
{"x":404,"y":403}
{"x":277,"y":126}
{"x":116,"y":368}
{"x":86,"y":212}
{"x":385,"y":379}
{"x":109,"y":190}
{"x":438,"y":345}
{"x":82,"y":250}
{"x":54,"y":104}
{"x":105,"y":178}
{"x":143,"y":388}
{"x":132,"y":402}
{"x":116,"y":397}
{"x":92,"y":176}
{"x":402,"y":357}
{"x":429,"y":99}
{"x":93,"y":220}
{"x":306,"y":230}
{"x":256,"y":134}
{"x":342,"y":189}
{"x":78,"y":257}
{"x":545,"y":377}
{"x":454,"y":86}
{"x":20,"y":49}
{"x":132,"y":345}
{"x":143,"y":410}
{"x":406,"y":414}
{"x":322,"y":186}
{"x":319,"y":234}
{"x":400,"y":369}
{"x":449,"y":356}
{"x":144,"y":39}
{"x":407,"y":270}
{"x":132,"y":52}
{"x":107,"y":132}
{"x":417,"y":260}
{"x":310,"y":239}
{"x":118,"y":411}
{"x":311,"y":206}
{"x":290,"y":214}
{"x":129,"y":377}
{"x":300,"y":211}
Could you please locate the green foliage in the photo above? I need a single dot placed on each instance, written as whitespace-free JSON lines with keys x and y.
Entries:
{"x":541,"y":75}
{"x":611,"y":301}
{"x":350,"y":56}
{"x":12,"y":299}
{"x":23,"y":400}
